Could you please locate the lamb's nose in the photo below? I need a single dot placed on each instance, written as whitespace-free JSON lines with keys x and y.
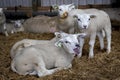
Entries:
{"x":77,"y":45}
{"x":85,"y":26}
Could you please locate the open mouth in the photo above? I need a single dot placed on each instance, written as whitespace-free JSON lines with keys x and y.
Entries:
{"x":77,"y":51}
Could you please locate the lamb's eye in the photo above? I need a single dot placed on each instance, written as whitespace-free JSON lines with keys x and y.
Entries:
{"x":60,"y":9}
{"x":79,"y":20}
{"x":66,"y":42}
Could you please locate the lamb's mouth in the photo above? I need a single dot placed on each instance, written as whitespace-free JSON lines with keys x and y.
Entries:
{"x":77,"y":51}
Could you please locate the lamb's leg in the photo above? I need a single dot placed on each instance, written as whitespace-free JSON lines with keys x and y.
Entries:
{"x":12,"y":32}
{"x":101,"y":39}
{"x":108,"y":36}
{"x":41,"y":69}
{"x":63,"y":64}
{"x":5,"y":29}
{"x":68,"y":66}
{"x":81,"y":41}
{"x":91,"y":43}
{"x":6,"y":33}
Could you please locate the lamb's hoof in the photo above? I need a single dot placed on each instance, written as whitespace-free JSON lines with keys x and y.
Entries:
{"x":108,"y":51}
{"x":91,"y":56}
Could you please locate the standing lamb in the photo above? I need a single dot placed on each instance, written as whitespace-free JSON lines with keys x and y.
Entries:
{"x":94,"y":24}
{"x":45,"y":59}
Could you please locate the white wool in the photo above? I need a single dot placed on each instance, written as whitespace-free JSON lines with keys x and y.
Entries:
{"x":40,"y":24}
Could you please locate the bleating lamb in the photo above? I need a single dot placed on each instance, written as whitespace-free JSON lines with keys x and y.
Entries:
{"x":95,"y":24}
{"x":45,"y":59}
{"x":40,"y":24}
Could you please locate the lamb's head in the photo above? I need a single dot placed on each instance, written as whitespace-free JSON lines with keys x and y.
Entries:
{"x":18,"y":25}
{"x":70,"y":43}
{"x":83,"y":20}
{"x":64,"y":9}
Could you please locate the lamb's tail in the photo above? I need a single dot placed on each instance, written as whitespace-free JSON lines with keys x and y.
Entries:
{"x":18,"y":46}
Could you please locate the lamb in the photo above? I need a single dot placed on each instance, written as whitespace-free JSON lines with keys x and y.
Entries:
{"x":10,"y":27}
{"x":14,"y":26}
{"x":94,"y":24}
{"x":41,"y":24}
{"x":45,"y":59}
{"x":6,"y":28}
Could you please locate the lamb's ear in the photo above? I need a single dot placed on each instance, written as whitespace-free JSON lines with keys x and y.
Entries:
{"x":71,"y":6}
{"x":81,"y":35}
{"x":22,"y":21}
{"x":58,"y":43}
{"x":55,"y":7}
{"x":60,"y":34}
{"x":57,"y":34}
{"x":92,"y":15}
{"x":75,"y":16}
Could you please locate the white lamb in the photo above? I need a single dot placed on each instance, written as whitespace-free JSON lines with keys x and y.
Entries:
{"x":14,"y":27}
{"x":45,"y":59}
{"x":95,"y":24}
{"x":7,"y":28}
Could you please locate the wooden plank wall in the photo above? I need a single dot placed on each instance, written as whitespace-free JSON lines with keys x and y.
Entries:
{"x":13,"y":3}
{"x":76,"y":2}
{"x":28,"y":3}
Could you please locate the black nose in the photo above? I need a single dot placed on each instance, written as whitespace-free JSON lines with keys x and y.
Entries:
{"x":85,"y":26}
{"x":77,"y":45}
